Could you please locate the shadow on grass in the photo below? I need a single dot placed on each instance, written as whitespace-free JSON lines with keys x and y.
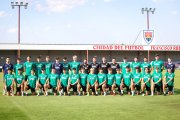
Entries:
{"x":177,"y":91}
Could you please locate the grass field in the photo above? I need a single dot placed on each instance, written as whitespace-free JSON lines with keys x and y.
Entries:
{"x":92,"y":107}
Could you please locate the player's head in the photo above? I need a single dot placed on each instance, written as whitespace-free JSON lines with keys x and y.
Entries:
{"x":38,"y":58}
{"x":137,"y":69}
{"x":135,"y":59}
{"x":64,"y":70}
{"x":145,"y":59}
{"x":19,"y":71}
{"x":125,"y":59}
{"x":157,"y":56}
{"x":65,"y":59}
{"x":43,"y":70}
{"x":82,"y":70}
{"x":169,"y":60}
{"x":169,"y":70}
{"x":114,"y":60}
{"x":92,"y":70}
{"x":74,"y":57}
{"x":29,"y":58}
{"x":57,"y":59}
{"x":100,"y":70}
{"x":103,"y":59}
{"x":157,"y":68}
{"x":7,"y":60}
{"x":18,"y":60}
{"x":74,"y":70}
{"x":146,"y":69}
{"x":127,"y":69}
{"x":9,"y":70}
{"x":85,"y":61}
{"x":53,"y":70}
{"x":32,"y":72}
{"x":118,"y":70}
{"x":47,"y":58}
{"x":110,"y":70}
{"x":94,"y":59}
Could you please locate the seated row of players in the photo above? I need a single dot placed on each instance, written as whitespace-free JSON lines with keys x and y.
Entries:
{"x":105,"y":82}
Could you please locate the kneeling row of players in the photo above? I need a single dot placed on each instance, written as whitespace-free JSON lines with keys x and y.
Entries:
{"x":62,"y":84}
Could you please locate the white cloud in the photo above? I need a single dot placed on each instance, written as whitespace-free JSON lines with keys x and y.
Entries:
{"x":107,"y":0}
{"x":175,"y":12}
{"x":12,"y":30}
{"x":3,"y":14}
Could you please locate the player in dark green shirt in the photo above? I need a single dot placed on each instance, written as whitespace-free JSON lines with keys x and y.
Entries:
{"x":146,"y":81}
{"x":168,"y":81}
{"x":75,"y":64}
{"x":118,"y":79}
{"x":18,"y":66}
{"x":92,"y":82}
{"x":110,"y":84}
{"x":136,"y":82}
{"x":64,"y":77}
{"x":157,"y":63}
{"x":83,"y":81}
{"x":53,"y":82}
{"x":66,"y":65}
{"x":31,"y":82}
{"x":145,"y":64}
{"x":102,"y":81}
{"x":156,"y":81}
{"x":41,"y":82}
{"x":123,"y":65}
{"x":39,"y":66}
{"x":19,"y":80}
{"x":28,"y":66}
{"x":48,"y":65}
{"x":73,"y":82}
{"x":127,"y":79}
{"x":9,"y":82}
{"x":135,"y":64}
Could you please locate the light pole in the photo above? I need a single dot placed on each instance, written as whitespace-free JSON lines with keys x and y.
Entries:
{"x":19,"y":5}
{"x":148,"y":10}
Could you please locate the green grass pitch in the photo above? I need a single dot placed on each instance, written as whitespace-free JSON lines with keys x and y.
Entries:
{"x":92,"y":107}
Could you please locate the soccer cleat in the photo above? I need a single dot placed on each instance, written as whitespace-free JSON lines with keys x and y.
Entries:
{"x":105,"y":94}
{"x":69,"y":94}
{"x":87,"y":94}
{"x":165,"y":94}
{"x":143,"y":94}
{"x":152,"y":94}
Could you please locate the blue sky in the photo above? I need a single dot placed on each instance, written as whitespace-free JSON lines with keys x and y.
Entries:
{"x":90,"y":21}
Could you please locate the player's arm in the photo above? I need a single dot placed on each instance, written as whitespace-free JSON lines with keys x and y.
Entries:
{"x":160,"y":79}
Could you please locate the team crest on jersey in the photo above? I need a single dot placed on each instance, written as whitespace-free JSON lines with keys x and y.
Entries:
{"x":148,"y":36}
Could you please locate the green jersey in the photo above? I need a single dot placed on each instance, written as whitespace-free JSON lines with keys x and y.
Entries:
{"x":136,"y":78}
{"x":19,"y":79}
{"x":66,"y":66}
{"x":156,"y":76}
{"x":43,"y":78}
{"x":145,"y":65}
{"x":118,"y":78}
{"x":74,"y":78}
{"x":170,"y":76}
{"x":146,"y":77}
{"x":32,"y":81}
{"x":53,"y":79}
{"x":123,"y":67}
{"x":39,"y":66}
{"x":83,"y":79}
{"x":9,"y":79}
{"x":101,"y":78}
{"x":92,"y":78}
{"x":48,"y":67}
{"x":16,"y":67}
{"x":158,"y":64}
{"x":28,"y":67}
{"x":127,"y":78}
{"x":75,"y":65}
{"x":134,"y":65}
{"x":110,"y":79}
{"x":64,"y":79}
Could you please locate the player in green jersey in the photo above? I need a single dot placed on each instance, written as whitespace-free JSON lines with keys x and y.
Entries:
{"x":73,"y":82}
{"x":123,"y":65}
{"x":92,"y":82}
{"x":28,"y":66}
{"x":53,"y":82}
{"x":136,"y":82}
{"x":110,"y":85}
{"x":83,"y":81}
{"x":18,"y":66}
{"x":75,"y":64}
{"x":39,"y":66}
{"x":146,"y":81}
{"x":9,"y":82}
{"x":145,"y":64}
{"x":66,"y":65}
{"x":156,"y":81}
{"x":19,"y":80}
{"x":135,"y":64}
{"x":157,"y":63}
{"x":127,"y":79}
{"x":102,"y":81}
{"x":31,"y":83}
{"x":168,"y":81}
{"x":41,"y":82}
{"x":64,"y":77}
{"x":118,"y":79}
{"x":48,"y":65}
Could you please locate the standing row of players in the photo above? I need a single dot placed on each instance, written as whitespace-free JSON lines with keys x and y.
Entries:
{"x":62,"y":77}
